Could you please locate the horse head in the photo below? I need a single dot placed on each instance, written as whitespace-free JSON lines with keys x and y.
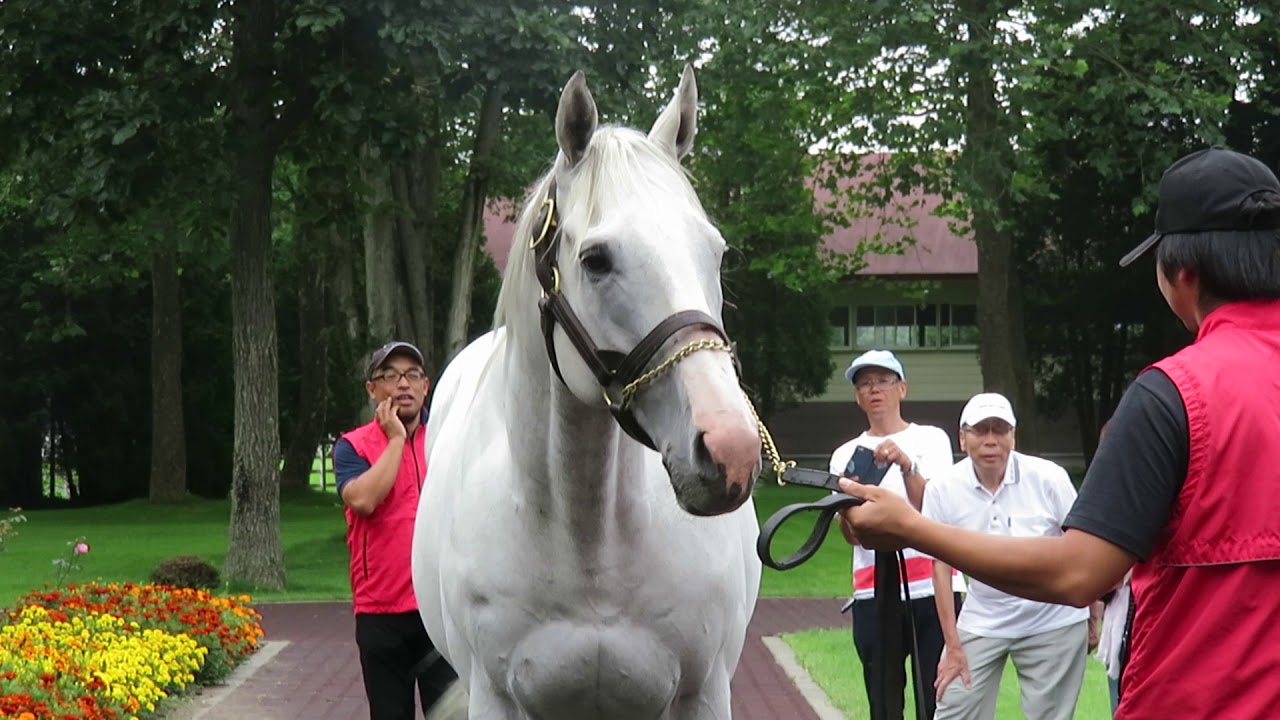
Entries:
{"x":629,"y":265}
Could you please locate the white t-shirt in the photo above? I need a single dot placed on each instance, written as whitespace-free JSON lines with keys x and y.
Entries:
{"x":930,"y":447}
{"x":1032,"y":501}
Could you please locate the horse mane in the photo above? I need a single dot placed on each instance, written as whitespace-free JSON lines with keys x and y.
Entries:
{"x":621,"y":165}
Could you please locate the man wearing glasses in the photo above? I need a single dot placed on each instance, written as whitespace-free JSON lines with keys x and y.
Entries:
{"x":380,"y":467}
{"x":998,"y":491}
{"x":915,"y":453}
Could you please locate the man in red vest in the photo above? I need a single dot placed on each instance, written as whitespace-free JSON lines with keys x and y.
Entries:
{"x":380,"y":467}
{"x":1182,"y":489}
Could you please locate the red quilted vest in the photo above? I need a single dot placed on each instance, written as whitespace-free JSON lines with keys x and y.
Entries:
{"x":1206,"y":630}
{"x":380,"y":544}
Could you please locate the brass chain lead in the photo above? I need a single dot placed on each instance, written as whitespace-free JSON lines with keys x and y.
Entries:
{"x":775,"y":458}
{"x":634,"y":386}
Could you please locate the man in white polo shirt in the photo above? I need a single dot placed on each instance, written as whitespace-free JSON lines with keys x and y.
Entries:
{"x":1001,"y":492}
{"x":916,"y":453}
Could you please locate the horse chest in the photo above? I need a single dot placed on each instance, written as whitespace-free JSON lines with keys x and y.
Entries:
{"x":600,"y":637}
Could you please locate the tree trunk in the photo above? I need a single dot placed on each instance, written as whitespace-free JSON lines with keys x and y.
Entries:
{"x":254,"y":556}
{"x":413,"y":261}
{"x":986,"y":177}
{"x":343,"y":286}
{"x":488,"y":124}
{"x":168,"y":433}
{"x":424,"y":187}
{"x":381,"y":281}
{"x":308,"y":429}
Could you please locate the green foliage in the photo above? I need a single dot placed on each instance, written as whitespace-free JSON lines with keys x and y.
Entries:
{"x":117,"y":120}
{"x":1083,"y":204}
{"x":755,"y":176}
{"x":186,"y":571}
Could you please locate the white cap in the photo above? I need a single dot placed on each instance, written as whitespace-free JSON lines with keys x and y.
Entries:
{"x":875,"y":358}
{"x":987,"y":405}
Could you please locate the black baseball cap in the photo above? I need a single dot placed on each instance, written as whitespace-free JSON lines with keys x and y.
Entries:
{"x":1204,"y":192}
{"x":395,"y":346}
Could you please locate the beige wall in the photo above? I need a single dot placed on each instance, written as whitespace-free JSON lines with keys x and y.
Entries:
{"x":942,"y":374}
{"x":932,"y":375}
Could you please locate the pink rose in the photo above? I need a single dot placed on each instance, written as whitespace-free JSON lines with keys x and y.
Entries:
{"x":81,"y":548}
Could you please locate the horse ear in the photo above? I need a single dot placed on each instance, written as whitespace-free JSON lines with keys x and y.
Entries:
{"x":678,"y":123}
{"x":576,"y":118}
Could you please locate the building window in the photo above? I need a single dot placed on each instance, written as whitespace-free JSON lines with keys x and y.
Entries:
{"x":934,"y":325}
{"x":840,"y":333}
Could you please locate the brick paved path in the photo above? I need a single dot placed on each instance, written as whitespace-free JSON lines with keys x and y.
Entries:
{"x":316,"y":676}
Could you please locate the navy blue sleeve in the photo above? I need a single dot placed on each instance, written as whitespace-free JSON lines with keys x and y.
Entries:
{"x":347,"y":464}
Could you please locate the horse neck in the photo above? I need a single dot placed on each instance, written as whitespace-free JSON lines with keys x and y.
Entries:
{"x":582,"y":474}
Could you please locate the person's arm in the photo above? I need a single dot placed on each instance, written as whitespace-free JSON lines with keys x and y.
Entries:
{"x":1072,"y":569}
{"x":915,"y":482}
{"x":1122,"y":506}
{"x":366,"y":491}
{"x":953,"y":663}
{"x":1095,"y":623}
{"x":912,"y":479}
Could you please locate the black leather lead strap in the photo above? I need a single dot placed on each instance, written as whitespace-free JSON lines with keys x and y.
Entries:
{"x":915,"y":641}
{"x":890,"y":674}
{"x":827,"y":509}
{"x":891,"y":611}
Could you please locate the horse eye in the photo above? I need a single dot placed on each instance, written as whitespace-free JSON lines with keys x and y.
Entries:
{"x":596,"y":261}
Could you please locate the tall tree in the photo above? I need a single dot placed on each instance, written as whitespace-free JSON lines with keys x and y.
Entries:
{"x":474,"y":197}
{"x":168,"y":427}
{"x":1157,"y":83}
{"x":254,"y":555}
{"x":985,"y":177}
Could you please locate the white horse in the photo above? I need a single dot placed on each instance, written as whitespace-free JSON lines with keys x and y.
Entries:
{"x":562,"y":567}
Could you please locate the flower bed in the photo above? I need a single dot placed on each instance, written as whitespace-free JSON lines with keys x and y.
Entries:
{"x":110,"y":652}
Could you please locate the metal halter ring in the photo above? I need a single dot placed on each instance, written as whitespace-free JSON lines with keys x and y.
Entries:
{"x":608,"y":401}
{"x":555,"y":282}
{"x":549,"y":205}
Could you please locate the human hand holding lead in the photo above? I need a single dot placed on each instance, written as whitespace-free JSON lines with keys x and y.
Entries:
{"x":880,"y":522}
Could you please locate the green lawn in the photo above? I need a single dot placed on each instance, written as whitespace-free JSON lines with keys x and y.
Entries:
{"x":829,"y":657}
{"x":128,"y":540}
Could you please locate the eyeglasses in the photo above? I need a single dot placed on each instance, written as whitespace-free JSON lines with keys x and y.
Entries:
{"x":392,"y":377}
{"x":883,"y":383}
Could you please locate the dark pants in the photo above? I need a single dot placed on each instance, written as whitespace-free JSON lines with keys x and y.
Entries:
{"x":392,"y":647}
{"x":928,"y":639}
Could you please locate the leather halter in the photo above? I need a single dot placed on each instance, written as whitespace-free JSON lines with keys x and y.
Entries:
{"x":608,"y":366}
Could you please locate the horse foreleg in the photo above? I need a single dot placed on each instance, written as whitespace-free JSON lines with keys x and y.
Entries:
{"x":711,"y":702}
{"x":452,"y":705}
{"x":479,"y":702}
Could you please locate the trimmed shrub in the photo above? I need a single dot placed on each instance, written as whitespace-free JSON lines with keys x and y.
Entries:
{"x":186,"y":571}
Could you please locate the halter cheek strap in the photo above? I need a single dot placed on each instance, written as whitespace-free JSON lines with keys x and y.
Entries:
{"x":608,"y":366}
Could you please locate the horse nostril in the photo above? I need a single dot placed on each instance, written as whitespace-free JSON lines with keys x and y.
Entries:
{"x":704,"y":459}
{"x":700,"y":451}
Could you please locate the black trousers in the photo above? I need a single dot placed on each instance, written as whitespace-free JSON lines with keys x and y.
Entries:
{"x":928,"y":639}
{"x":392,"y":647}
